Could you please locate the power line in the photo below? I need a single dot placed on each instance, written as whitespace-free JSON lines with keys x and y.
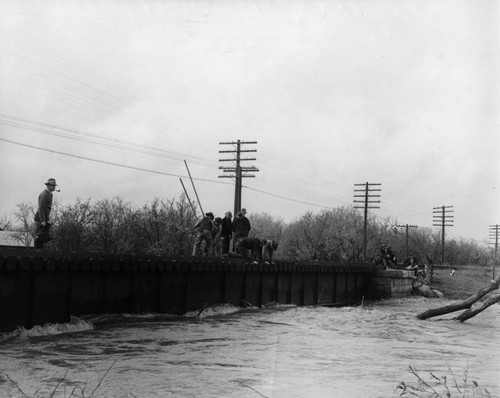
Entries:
{"x":68,"y":64}
{"x":289,"y":199}
{"x":106,"y":162}
{"x":85,"y":94}
{"x":84,"y":98}
{"x":76,"y":135}
{"x":169,"y":174}
{"x":111,"y":100}
{"x":158,"y":172}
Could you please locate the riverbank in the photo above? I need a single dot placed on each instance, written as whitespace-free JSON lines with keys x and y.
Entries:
{"x":463,"y":282}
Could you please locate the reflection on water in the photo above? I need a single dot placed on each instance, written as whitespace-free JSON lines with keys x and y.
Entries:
{"x":284,"y":351}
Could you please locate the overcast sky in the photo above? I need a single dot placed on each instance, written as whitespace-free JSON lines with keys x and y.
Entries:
{"x":110,"y":98}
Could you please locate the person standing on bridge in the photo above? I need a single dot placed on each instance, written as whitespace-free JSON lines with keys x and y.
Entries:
{"x":43,"y":213}
{"x":204,"y":229}
{"x":226,"y":232}
{"x":241,"y":227}
{"x":216,"y":237}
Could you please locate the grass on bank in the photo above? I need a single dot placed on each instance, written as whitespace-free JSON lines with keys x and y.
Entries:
{"x":463,"y":283}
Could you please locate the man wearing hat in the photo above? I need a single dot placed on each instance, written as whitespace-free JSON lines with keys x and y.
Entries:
{"x":43,"y":213}
{"x":204,"y":229}
{"x":241,"y":226}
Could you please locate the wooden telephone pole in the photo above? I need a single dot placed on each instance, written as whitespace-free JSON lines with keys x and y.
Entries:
{"x":494,"y":235}
{"x":367,"y":204}
{"x":407,"y":227}
{"x":442,"y":218}
{"x":237,"y":171}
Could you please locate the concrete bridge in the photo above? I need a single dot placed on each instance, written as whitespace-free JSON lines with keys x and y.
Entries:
{"x":50,"y":287}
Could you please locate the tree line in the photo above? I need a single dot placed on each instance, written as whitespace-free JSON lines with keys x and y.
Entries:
{"x":166,"y":228}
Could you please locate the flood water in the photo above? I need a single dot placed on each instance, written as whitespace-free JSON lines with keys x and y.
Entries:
{"x":280,"y":351}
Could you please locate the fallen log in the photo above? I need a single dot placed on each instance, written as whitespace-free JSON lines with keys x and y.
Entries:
{"x":461,"y":305}
{"x":473,"y":312}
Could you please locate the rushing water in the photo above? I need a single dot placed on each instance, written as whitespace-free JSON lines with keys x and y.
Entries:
{"x":282,"y":351}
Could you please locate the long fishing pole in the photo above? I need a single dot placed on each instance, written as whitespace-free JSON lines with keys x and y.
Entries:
{"x":189,"y":200}
{"x":196,"y":193}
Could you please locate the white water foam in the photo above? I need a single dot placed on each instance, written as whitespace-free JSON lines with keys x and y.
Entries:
{"x":49,"y":329}
{"x":221,"y":309}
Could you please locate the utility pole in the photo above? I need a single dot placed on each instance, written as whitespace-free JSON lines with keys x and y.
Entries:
{"x":237,"y":171}
{"x":407,"y":227}
{"x":442,"y":218}
{"x":367,"y":204}
{"x":494,"y":235}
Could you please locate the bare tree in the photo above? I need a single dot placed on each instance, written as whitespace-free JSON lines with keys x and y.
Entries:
{"x":179,"y":235}
{"x":166,"y":227}
{"x":25,"y":215}
{"x":314,"y":237}
{"x":266,"y":226}
{"x":152,"y":224}
{"x":5,"y":223}
{"x":72,"y":226}
{"x":113,"y":227}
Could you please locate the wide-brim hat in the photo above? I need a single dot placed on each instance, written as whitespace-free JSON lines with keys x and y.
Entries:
{"x":51,"y":181}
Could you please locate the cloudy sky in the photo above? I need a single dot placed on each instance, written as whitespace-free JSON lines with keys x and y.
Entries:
{"x":111,"y":97}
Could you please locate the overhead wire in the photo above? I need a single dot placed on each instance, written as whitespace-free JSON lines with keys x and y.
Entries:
{"x":154,"y":171}
{"x":72,"y":88}
{"x":287,"y":198}
{"x":67,"y":71}
{"x":82,"y":101}
{"x":92,"y":98}
{"x":372,"y":214}
{"x":83,"y":94}
{"x":76,"y":135}
{"x":44,"y":128}
{"x":141,"y":149}
{"x":107,"y":162}
{"x":41,"y":127}
{"x":124,"y":91}
{"x":86,"y":77}
{"x":64,"y":92}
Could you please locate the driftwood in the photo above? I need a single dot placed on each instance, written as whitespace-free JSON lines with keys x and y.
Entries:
{"x":467,"y":304}
{"x":473,"y":312}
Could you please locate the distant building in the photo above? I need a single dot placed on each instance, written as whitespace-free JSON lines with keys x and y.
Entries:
{"x":14,"y":239}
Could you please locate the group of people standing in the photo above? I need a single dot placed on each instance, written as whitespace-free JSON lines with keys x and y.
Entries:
{"x":217,"y":233}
